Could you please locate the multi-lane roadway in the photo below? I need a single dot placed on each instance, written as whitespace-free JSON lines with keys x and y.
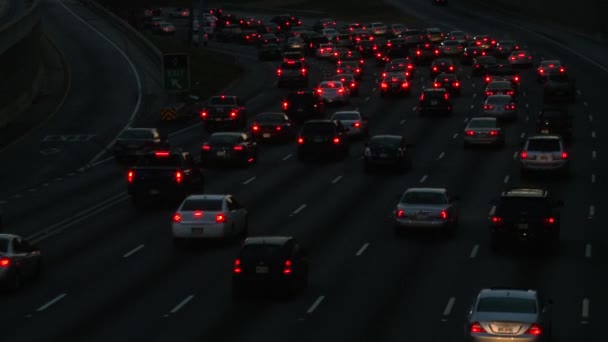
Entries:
{"x":112,"y":272}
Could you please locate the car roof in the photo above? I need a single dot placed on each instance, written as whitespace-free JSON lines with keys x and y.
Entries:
{"x":551,"y":61}
{"x":435,"y":90}
{"x":544,"y":137}
{"x":483,"y":118}
{"x":525,"y":192}
{"x":435,"y":190}
{"x":267,"y":240}
{"x":500,"y":83}
{"x":513,"y":293}
{"x":224,"y":134}
{"x":386,"y":137}
{"x":500,"y":96}
{"x":206,"y":196}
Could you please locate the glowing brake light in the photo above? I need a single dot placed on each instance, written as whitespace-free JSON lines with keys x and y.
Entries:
{"x":476,"y":328}
{"x":303,"y":70}
{"x":279,"y":128}
{"x":564,"y":155}
{"x":238,"y":147}
{"x":488,"y":107}
{"x":255,"y":128}
{"x":523,"y":155}
{"x":161,"y":154}
{"x":340,"y":91}
{"x":496,"y":219}
{"x":434,"y":68}
{"x":220,"y":218}
{"x":446,"y":96}
{"x":353,"y":85}
{"x":300,"y":141}
{"x":444,"y":215}
{"x":287,"y":268}
{"x":437,"y":85}
{"x":534,"y":330}
{"x":405,"y":85}
{"x":451,"y":68}
{"x":550,"y":220}
{"x":356,"y":124}
{"x":469,"y":133}
{"x":5,"y":262}
{"x":130,"y":176}
{"x":400,"y":213}
{"x":384,"y":85}
{"x":207,"y":147}
{"x":177,"y":218}
{"x":237,"y":266}
{"x":232,"y":114}
{"x":493,"y":133}
{"x":178,"y":177}
{"x":203,"y":114}
{"x":562,"y":70}
{"x":456,"y":84}
{"x":279,"y":72}
{"x":336,"y":140}
{"x":198,"y":213}
{"x":516,"y":78}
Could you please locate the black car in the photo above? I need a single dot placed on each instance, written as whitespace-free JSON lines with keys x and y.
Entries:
{"x":436,"y":100}
{"x":302,"y":105}
{"x":425,"y":53}
{"x":313,"y":42}
{"x":135,"y":142}
{"x":230,"y":34}
{"x":270,"y":52}
{"x":470,"y":53}
{"x":229,"y":148}
{"x":272,"y":263}
{"x":272,"y":126}
{"x":526,"y":215}
{"x":559,"y":88}
{"x":555,"y":120}
{"x":323,"y":138}
{"x":387,"y":151}
{"x":481,"y":63}
{"x":269,"y":38}
{"x":442,"y":65}
{"x":449,"y":82}
{"x":395,"y":83}
{"x":292,"y":72}
{"x":367,"y":48}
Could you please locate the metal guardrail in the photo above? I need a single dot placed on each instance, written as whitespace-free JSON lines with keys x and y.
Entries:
{"x":15,"y":30}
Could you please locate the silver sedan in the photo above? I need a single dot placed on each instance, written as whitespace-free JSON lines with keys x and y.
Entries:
{"x":483,"y":131}
{"x":358,"y":125}
{"x":426,"y":208}
{"x":508,"y":315}
{"x":333,"y":92}
{"x":500,"y":107}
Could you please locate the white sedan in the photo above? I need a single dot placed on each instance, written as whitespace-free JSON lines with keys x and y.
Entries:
{"x":353,"y":120}
{"x":333,"y":92}
{"x":209,"y":216}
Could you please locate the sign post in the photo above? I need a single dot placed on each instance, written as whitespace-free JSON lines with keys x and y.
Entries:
{"x":176,"y":72}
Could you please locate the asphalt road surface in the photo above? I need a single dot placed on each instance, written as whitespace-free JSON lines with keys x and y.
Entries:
{"x":113,"y":274}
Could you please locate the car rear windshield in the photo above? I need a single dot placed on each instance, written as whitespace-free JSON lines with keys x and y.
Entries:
{"x":515,"y":205}
{"x":266,"y":252}
{"x":424,"y":197}
{"x":3,"y":245}
{"x":228,"y":100}
{"x":482,"y":124}
{"x":299,"y":97}
{"x":501,"y":71}
{"x":270,"y":118}
{"x":434,"y":94}
{"x":507,"y":305}
{"x":558,"y":78}
{"x":498,"y":100}
{"x":161,"y":161}
{"x":136,"y":134}
{"x":318,"y":128}
{"x":544,"y":145}
{"x":292,"y":66}
{"x":384,"y":142}
{"x":223,"y":139}
{"x":319,"y":40}
{"x":202,"y":204}
{"x":346,"y":116}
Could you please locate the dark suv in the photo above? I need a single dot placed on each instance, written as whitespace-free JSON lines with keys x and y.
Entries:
{"x":435,"y":100}
{"x":555,"y":120}
{"x":525,"y":214}
{"x":303,"y":105}
{"x":323,"y":137}
{"x":292,"y":72}
{"x":269,"y":263}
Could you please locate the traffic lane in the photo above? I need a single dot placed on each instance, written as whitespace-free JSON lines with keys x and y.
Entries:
{"x":95,"y":103}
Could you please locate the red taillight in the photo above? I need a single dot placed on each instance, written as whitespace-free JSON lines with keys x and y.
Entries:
{"x":300,"y":141}
{"x":487,"y":107}
{"x":340,"y":91}
{"x":451,"y":68}
{"x":444,"y":215}
{"x":356,"y":124}
{"x":550,"y":220}
{"x":303,"y":71}
{"x":336,"y":140}
{"x":488,"y":79}
{"x":206,"y":147}
{"x":130,"y":176}
{"x":510,"y":106}
{"x":383,"y":85}
{"x":418,"y":52}
{"x":178,"y":176}
{"x":287,"y":268}
{"x":469,"y":132}
{"x":562,"y":70}
{"x":5,"y":262}
{"x":255,"y":128}
{"x":434,"y":68}
{"x":496,"y":219}
{"x":319,"y":91}
{"x":161,"y":154}
{"x":493,"y":133}
{"x":476,"y":328}
{"x":456,"y":84}
{"x":405,"y":85}
{"x":232,"y":114}
{"x":279,"y":128}
{"x":237,"y":266}
{"x":488,"y":93}
{"x":516,"y":78}
{"x":357,"y":70}
{"x":353,"y":85}
{"x":177,"y":218}
{"x":220,"y":218}
{"x":437,"y":52}
{"x":534,"y":330}
{"x":437,"y":85}
{"x":285,"y":104}
{"x":279,"y":72}
{"x":203,"y":114}
{"x":446,"y":96}
{"x":400,"y":213}
{"x":523,"y":155}
{"x":198,"y":213}
{"x":564,"y":155}
{"x":238,"y":147}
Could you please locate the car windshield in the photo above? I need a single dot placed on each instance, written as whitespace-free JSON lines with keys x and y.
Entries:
{"x":265,"y":252}
{"x":485,"y":123}
{"x":558,"y":78}
{"x":202,"y":204}
{"x":276,"y":118}
{"x":500,"y":85}
{"x":223,"y":139}
{"x":502,"y":71}
{"x":292,"y":65}
{"x":507,"y":305}
{"x":218,"y":100}
{"x":318,"y":129}
{"x":434,"y":94}
{"x":331,"y":85}
{"x":424,"y":197}
{"x":498,"y":100}
{"x":3,"y":245}
{"x":345,"y":116}
{"x":544,"y":145}
{"x":136,"y":134}
{"x":160,"y":161}
{"x":513,"y":205}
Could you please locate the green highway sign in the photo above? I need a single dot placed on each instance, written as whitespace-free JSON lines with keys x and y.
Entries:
{"x":176,"y":72}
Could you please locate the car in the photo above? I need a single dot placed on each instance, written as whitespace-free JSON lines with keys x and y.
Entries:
{"x":484,"y":41}
{"x":277,"y":264}
{"x":179,"y":13}
{"x":500,"y":88}
{"x":20,"y":261}
{"x":450,"y":48}
{"x":433,"y":35}
{"x":338,"y":54}
{"x":549,"y":67}
{"x":544,"y":153}
{"x":434,"y":100}
{"x":521,"y":58}
{"x":273,"y":126}
{"x":332,"y":92}
{"x":353,"y":56}
{"x":295,"y":43}
{"x":470,"y":53}
{"x":323,"y":138}
{"x":555,"y":120}
{"x":500,"y":314}
{"x":442,"y":65}
{"x":483,"y":131}
{"x":269,"y":38}
{"x":330,"y":33}
{"x":426,"y":209}
{"x":350,"y":67}
{"x":302,"y":105}
{"x":501,"y":107}
{"x":292,"y":72}
{"x":294,"y":56}
{"x":250,"y":36}
{"x":413,"y":37}
{"x":387,"y":151}
{"x":525,"y":214}
{"x":395,"y":83}
{"x":460,"y":36}
{"x":134,"y":142}
{"x":325,"y":50}
{"x":313,"y":43}
{"x":358,"y":125}
{"x":209,"y":216}
{"x":270,"y":52}
{"x":224,"y":111}
{"x":425,"y":53}
{"x":481,"y":63}
{"x":164,"y":27}
{"x":229,"y":148}
{"x":378,"y":28}
{"x":449,"y":82}
{"x":559,"y":88}
{"x":397,"y":29}
{"x":324,"y":23}
{"x":403,"y":65}
{"x":350,"y":81}
{"x":504,"y":71}
{"x":504,"y":48}
{"x":367,"y":48}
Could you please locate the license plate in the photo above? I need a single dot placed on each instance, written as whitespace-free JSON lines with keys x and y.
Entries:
{"x":221,"y":153}
{"x":318,"y":140}
{"x":544,"y":131}
{"x":383,"y":155}
{"x":218,"y":119}
{"x":261,"y":269}
{"x":153,"y":192}
{"x":505,"y":330}
{"x":545,"y":157}
{"x":266,"y":135}
{"x":434,"y":102}
{"x":522,"y":226}
{"x":197,"y":230}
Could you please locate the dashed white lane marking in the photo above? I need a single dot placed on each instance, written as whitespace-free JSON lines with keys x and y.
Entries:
{"x":585,"y":310}
{"x":58,"y":179}
{"x":515,"y":155}
{"x":71,"y":174}
{"x":300,"y":208}
{"x":455,"y":136}
{"x":492,"y":211}
{"x":414,"y":108}
{"x":522,"y":135}
{"x":401,"y":122}
{"x":287,"y":156}
{"x":423,"y":179}
{"x":31,"y":190}
{"x":17,"y":196}
{"x":506,"y":180}
{"x":591,"y":211}
{"x":474,"y":252}
{"x":593,"y":134}
{"x":367,"y":99}
{"x":593,"y":155}
{"x":590,"y":118}
{"x":45,"y":185}
{"x":588,"y":251}
{"x":524,"y":94}
{"x":181,"y":304}
{"x":441,"y":155}
{"x":3,"y":202}
{"x":357,"y":109}
{"x":133,"y":251}
{"x":579,"y":92}
{"x":527,"y":118}
{"x":474,"y":95}
{"x":585,"y":104}
{"x":336,"y":180}
{"x":249,"y":180}
{"x":51,"y":302}
{"x":362,"y":249}
{"x":314,"y":305}
{"x":527,"y":105}
{"x":593,"y":178}
{"x":465,"y":120}
{"x":472,"y":106}
{"x":448,"y":307}
{"x":374,"y":89}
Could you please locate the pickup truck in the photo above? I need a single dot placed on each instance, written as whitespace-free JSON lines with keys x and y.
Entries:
{"x":292,"y":72}
{"x":559,"y":88}
{"x":162,"y":175}
{"x":224,"y":110}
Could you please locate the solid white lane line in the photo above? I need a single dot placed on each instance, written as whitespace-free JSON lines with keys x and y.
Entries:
{"x":287,"y":156}
{"x":314,"y":305}
{"x":181,"y":304}
{"x":336,"y":180}
{"x":474,"y":252}
{"x":585,"y":308}
{"x":593,"y":155}
{"x":522,"y":135}
{"x":592,"y":178}
{"x":506,"y":179}
{"x":300,"y":208}
{"x":591,"y":211}
{"x":593,"y":134}
{"x":492,"y":211}
{"x":401,"y":122}
{"x":249,"y":180}
{"x":588,"y":251}
{"x":133,"y":251}
{"x":449,"y":306}
{"x":362,"y":249}
{"x":423,"y":179}
{"x":441,"y":155}
{"x":515,"y":155}
{"x":51,"y":302}
{"x":455,"y":136}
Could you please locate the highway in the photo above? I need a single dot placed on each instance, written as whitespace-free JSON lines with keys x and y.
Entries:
{"x":11,"y":10}
{"x":112,"y":272}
